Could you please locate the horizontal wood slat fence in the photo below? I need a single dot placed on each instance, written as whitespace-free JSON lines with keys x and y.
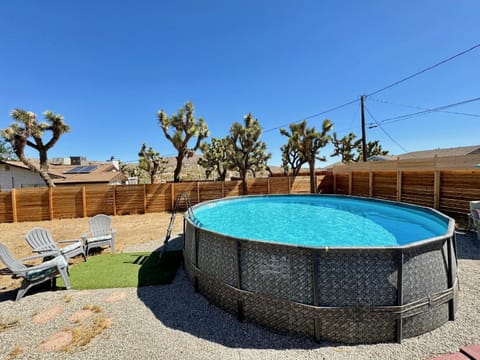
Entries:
{"x":37,"y":204}
{"x":446,"y":184}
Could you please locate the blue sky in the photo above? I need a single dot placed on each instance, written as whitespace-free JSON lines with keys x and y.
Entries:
{"x":109,"y":66}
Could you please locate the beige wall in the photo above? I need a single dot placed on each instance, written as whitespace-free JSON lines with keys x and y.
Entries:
{"x":14,"y":177}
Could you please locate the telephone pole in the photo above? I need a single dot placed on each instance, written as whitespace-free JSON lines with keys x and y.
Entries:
{"x":364,"y":138}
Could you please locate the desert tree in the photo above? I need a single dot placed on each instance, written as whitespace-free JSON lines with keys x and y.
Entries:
{"x":308,"y":142}
{"x":181,"y":129}
{"x":350,"y":150}
{"x":6,"y":151}
{"x":373,"y":148}
{"x":216,"y":157}
{"x":27,"y":131}
{"x":291,"y":159}
{"x":130,"y":170}
{"x":151,"y":162}
{"x":248,"y":152}
{"x":346,"y":147}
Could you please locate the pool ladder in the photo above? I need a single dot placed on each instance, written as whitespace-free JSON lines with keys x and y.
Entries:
{"x":174,"y":214}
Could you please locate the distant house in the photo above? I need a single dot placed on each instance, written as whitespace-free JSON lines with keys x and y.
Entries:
{"x":15,"y":174}
{"x":455,"y":151}
{"x":462,"y":152}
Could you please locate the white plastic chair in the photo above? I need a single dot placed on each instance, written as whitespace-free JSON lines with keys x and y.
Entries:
{"x":41,"y":241}
{"x":100,"y":234}
{"x":474,"y":217}
{"x":36,"y":274}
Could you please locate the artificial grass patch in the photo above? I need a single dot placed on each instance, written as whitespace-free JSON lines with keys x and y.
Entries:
{"x":124,"y":270}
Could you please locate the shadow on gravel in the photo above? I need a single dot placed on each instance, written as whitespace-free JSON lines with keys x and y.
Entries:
{"x":178,"y":307}
{"x":468,"y":245}
{"x":12,"y":294}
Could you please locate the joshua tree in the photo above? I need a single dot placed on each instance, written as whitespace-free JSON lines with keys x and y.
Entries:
{"x":28,"y":132}
{"x":373,"y":148}
{"x":350,"y":150}
{"x":6,"y":151}
{"x":151,"y":162}
{"x":216,"y":157}
{"x":185,"y":128}
{"x":248,"y":152}
{"x":291,"y":159}
{"x":308,"y":142}
{"x":346,"y":147}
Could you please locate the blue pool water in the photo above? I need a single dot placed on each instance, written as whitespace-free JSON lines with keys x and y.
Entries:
{"x":316,"y":221}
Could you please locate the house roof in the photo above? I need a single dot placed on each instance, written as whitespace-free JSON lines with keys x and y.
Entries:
{"x":455,"y":151}
{"x":103,"y":173}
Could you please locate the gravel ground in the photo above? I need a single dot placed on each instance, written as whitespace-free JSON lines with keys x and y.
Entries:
{"x":173,"y":322}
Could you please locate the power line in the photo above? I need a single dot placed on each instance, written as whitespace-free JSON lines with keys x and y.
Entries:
{"x":421,"y":108}
{"x":424,"y":70}
{"x":315,"y":115}
{"x":419,"y":113}
{"x":384,"y":131}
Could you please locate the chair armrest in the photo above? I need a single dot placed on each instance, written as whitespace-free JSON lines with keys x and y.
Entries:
{"x":68,"y":241}
{"x":42,"y":255}
{"x":39,"y":267}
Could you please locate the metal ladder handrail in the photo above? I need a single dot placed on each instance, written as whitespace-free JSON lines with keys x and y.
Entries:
{"x":174,"y":213}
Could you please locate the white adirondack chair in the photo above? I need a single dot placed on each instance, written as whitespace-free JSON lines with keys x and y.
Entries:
{"x":34,"y":275}
{"x":41,"y":241}
{"x":474,"y":217}
{"x":100,"y":234}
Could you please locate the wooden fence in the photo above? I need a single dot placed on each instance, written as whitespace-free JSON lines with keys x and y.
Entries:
{"x":446,"y":184}
{"x":37,"y":204}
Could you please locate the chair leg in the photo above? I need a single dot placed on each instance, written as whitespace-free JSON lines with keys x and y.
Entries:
{"x":23,"y":289}
{"x":64,"y":274}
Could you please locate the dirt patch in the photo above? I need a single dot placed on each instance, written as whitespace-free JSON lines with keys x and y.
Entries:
{"x":80,"y":315}
{"x":47,"y":315}
{"x":116,"y":296}
{"x":56,"y":342}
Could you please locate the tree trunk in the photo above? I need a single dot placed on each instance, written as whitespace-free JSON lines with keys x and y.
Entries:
{"x":178,"y":168}
{"x":312,"y":177}
{"x":243,"y":175}
{"x":43,"y":174}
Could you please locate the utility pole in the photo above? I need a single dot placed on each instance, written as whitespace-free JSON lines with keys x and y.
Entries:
{"x":364,"y":138}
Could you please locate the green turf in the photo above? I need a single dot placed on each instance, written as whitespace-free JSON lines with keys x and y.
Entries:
{"x":124,"y":270}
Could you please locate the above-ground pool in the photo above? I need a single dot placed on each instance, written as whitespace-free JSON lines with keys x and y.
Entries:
{"x":334,"y":268}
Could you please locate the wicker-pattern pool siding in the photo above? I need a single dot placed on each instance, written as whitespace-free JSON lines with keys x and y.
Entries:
{"x":348,"y":295}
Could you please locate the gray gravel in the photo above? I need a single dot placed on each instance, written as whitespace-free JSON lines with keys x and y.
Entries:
{"x":173,"y":322}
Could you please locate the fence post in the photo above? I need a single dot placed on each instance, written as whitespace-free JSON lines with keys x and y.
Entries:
{"x":114,"y":200}
{"x":370,"y":183}
{"x":172,"y":196}
{"x":399,"y":185}
{"x":350,"y":182}
{"x":334,"y":182}
{"x":268,"y":186}
{"x":289,"y":185}
{"x":14,"y":205}
{"x":198,"y":191}
{"x":223,"y":188}
{"x":436,"y":189}
{"x":50,"y":202}
{"x":144,"y":198}
{"x":84,"y":201}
